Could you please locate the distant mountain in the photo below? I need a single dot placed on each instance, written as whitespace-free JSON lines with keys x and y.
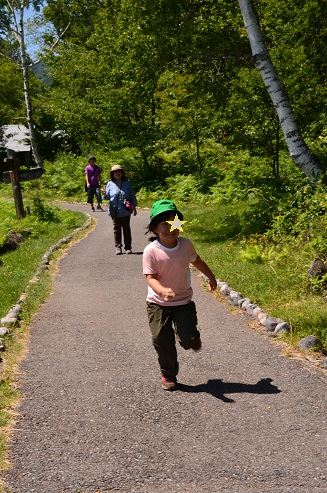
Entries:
{"x":40,"y":71}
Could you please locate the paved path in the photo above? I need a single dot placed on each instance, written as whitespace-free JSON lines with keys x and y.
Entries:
{"x":245,"y":420}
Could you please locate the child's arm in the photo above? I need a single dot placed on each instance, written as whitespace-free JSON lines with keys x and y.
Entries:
{"x":203,"y":267}
{"x":165,"y":293}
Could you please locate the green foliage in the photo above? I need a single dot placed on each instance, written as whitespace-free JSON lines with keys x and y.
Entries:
{"x":302,"y":219}
{"x":169,"y":78}
{"x":250,"y":253}
{"x":182,"y":188}
{"x":297,"y":44}
{"x":34,"y":225}
{"x":319,"y":285}
{"x":174,"y":83}
{"x":145,"y":196}
{"x":228,"y":226}
{"x":44,"y":212}
{"x":10,"y":93}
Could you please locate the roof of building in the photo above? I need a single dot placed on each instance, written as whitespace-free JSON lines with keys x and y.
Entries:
{"x":16,"y":137}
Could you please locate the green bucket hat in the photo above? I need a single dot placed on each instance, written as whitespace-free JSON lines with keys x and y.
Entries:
{"x":164,"y":205}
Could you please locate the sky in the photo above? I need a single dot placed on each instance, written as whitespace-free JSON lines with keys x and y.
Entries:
{"x":32,"y":47}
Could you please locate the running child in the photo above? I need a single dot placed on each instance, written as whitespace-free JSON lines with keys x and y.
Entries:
{"x":171,"y":311}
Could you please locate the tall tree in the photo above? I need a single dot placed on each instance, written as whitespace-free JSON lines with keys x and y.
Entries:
{"x":300,"y":153}
{"x":14,"y":25}
{"x":107,"y":79}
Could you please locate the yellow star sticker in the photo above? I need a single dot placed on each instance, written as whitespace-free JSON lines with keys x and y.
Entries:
{"x":176,"y":224}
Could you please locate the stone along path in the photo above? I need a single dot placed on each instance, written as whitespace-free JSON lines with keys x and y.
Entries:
{"x":94,"y":416}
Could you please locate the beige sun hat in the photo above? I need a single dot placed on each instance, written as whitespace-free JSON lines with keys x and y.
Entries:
{"x":117,"y":167}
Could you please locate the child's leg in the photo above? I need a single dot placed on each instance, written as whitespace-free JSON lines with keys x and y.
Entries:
{"x":185,"y":322}
{"x":163,"y":338}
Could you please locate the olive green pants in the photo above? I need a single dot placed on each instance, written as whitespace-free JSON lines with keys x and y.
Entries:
{"x":168,"y":323}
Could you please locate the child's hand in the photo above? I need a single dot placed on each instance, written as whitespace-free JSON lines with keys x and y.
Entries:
{"x":167,"y":294}
{"x":212,"y":284}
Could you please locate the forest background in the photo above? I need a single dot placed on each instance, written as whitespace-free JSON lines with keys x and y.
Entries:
{"x":169,"y":90}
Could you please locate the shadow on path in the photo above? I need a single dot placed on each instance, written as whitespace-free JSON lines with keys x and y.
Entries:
{"x":218,"y":388}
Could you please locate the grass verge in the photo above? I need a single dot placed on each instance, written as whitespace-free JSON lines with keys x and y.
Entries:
{"x":280,"y":285}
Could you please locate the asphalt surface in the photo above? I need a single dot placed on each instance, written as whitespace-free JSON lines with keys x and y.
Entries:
{"x":94,"y":418}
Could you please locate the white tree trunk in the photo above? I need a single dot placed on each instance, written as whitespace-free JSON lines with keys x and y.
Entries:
{"x":25,"y":71}
{"x":16,"y":13}
{"x":302,"y":156}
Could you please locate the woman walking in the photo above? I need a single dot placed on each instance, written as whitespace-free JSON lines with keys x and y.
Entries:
{"x":122,"y":204}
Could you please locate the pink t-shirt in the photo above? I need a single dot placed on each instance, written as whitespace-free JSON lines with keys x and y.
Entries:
{"x":172,"y":268}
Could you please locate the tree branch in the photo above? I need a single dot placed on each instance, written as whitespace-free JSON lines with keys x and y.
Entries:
{"x":12,"y":11}
{"x":54,"y":44}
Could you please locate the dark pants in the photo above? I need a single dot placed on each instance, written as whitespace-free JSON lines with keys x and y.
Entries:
{"x":122,"y":224}
{"x":93,"y":190}
{"x":166,"y":322}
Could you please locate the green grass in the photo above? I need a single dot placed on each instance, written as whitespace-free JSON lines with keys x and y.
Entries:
{"x":280,"y":287}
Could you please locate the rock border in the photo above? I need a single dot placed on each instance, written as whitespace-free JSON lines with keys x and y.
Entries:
{"x":273,"y":325}
{"x":12,"y":318}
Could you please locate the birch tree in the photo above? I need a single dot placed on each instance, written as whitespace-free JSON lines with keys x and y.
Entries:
{"x":13,"y":24}
{"x":301,"y":155}
{"x":15,"y":27}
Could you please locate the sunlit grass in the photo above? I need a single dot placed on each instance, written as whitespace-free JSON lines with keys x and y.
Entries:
{"x":280,"y":288}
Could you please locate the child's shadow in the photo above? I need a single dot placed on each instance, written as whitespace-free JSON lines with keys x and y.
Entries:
{"x":218,"y":388}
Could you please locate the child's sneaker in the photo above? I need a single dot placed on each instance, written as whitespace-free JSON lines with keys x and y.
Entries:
{"x":197,"y":346}
{"x":169,"y":383}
